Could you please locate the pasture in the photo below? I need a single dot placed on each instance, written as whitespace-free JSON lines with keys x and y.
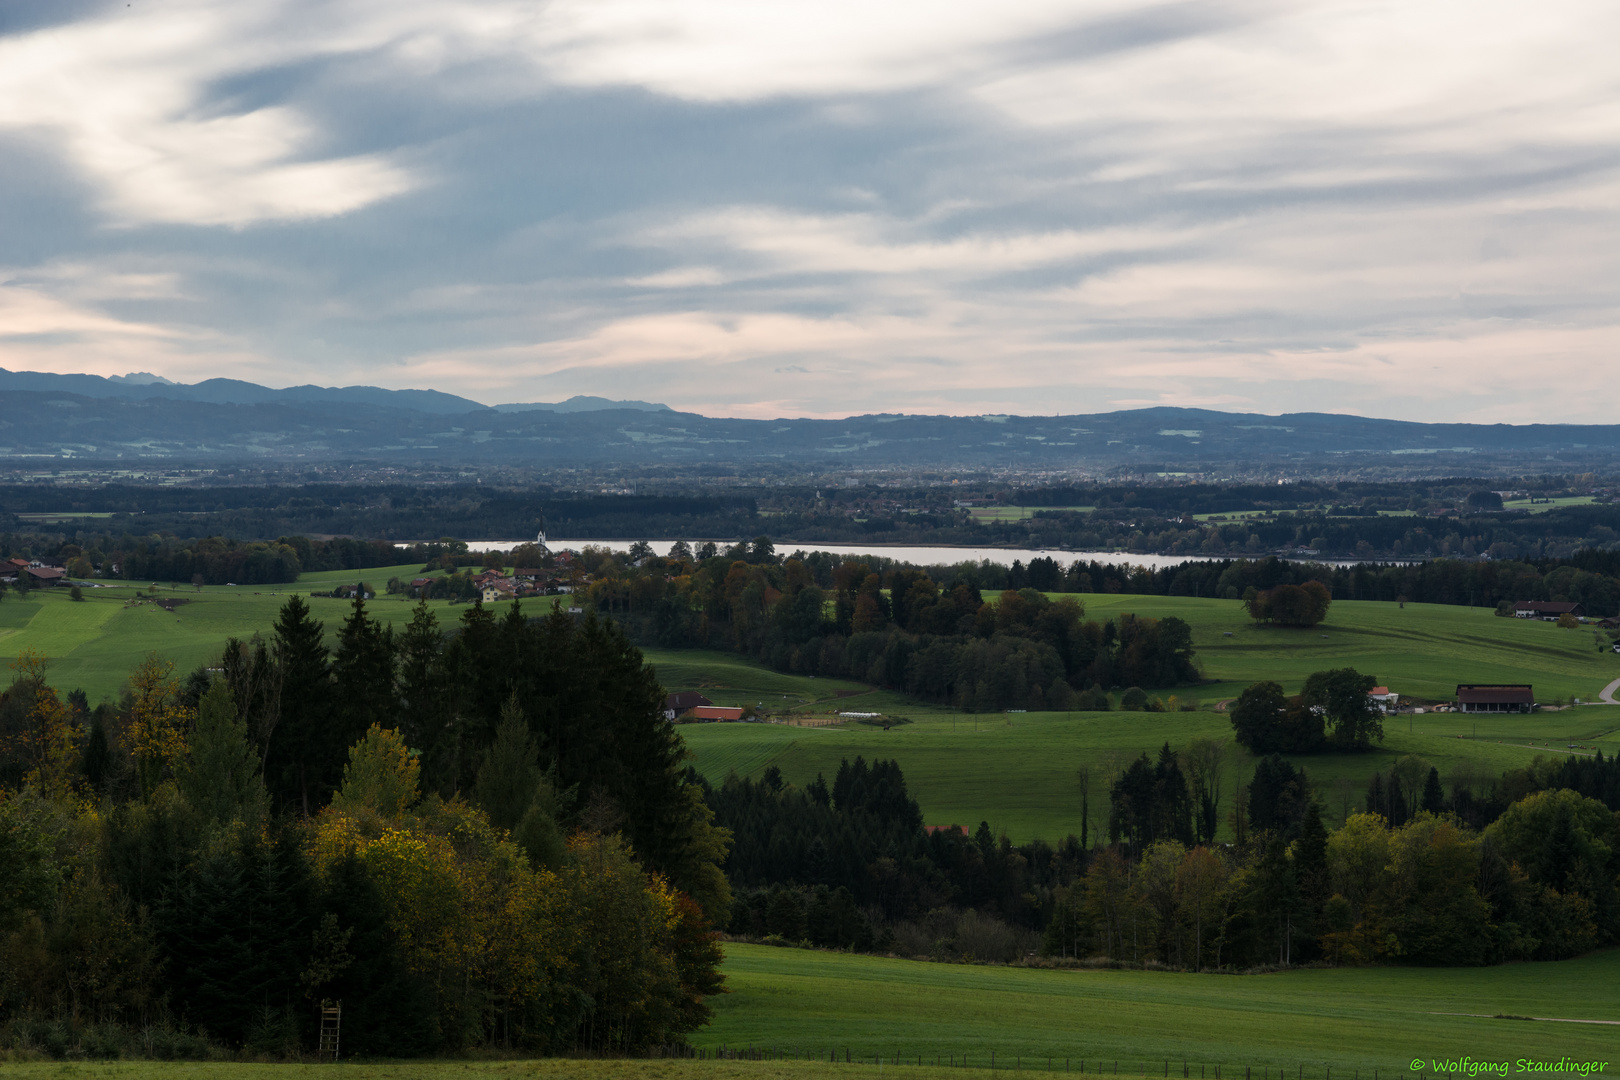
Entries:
{"x":801,"y":1007}
{"x":986,"y":514}
{"x":95,"y":643}
{"x":1019,"y":771}
{"x":1347,"y":1018}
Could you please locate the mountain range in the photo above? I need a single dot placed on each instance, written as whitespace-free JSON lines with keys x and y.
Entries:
{"x":141,"y":386}
{"x":143,"y":417}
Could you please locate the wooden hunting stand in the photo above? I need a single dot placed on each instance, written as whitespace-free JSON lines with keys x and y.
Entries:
{"x":331,"y":1020}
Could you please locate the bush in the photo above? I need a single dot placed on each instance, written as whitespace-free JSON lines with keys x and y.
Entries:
{"x":75,"y":593}
{"x":1134,"y":700}
{"x":1290,"y":605}
{"x":1093,"y":700}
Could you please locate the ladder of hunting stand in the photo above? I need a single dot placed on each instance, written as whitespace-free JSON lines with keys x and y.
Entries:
{"x":331,"y":1018}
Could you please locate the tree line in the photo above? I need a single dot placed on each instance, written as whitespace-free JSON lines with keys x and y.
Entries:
{"x":219,"y":560}
{"x":1526,"y":870}
{"x":900,"y":627}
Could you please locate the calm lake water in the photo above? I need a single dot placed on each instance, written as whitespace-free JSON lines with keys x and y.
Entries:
{"x":920,"y":556}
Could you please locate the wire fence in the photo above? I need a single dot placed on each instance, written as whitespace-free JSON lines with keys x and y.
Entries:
{"x":1076,"y":1065}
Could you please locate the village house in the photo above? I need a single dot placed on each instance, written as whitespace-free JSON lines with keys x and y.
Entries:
{"x":498,"y":589}
{"x":1495,"y":698}
{"x":1546,"y":611}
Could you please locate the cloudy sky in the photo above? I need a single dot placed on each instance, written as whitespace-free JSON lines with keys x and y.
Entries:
{"x":770,"y":207}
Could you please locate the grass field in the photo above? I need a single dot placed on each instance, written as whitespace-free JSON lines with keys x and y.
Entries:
{"x":1019,"y":513}
{"x":1015,"y":771}
{"x":1018,"y":771}
{"x":1541,"y":506}
{"x":94,"y":644}
{"x":806,"y":1006}
{"x":1359,"y":1018}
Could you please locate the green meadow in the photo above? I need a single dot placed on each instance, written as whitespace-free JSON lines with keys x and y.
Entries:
{"x":93,"y":644}
{"x":801,"y":1007}
{"x":1017,"y":771}
{"x":985,"y":514}
{"x":1347,"y":1018}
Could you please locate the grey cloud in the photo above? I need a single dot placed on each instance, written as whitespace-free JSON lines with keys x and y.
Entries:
{"x":937,"y":239}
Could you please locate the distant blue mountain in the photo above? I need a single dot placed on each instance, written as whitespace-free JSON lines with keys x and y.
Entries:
{"x":139,"y":416}
{"x":585,"y":403}
{"x":141,"y":386}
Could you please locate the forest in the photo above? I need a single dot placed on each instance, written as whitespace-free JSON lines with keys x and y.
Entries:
{"x":940,"y":641}
{"x":473,"y":836}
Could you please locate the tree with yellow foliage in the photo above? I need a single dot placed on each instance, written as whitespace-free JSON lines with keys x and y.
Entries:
{"x":158,"y":721}
{"x":599,"y":953}
{"x":48,"y":744}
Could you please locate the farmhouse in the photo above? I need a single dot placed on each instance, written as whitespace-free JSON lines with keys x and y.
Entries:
{"x":715,"y":712}
{"x":1383,"y":698}
{"x":1495,"y":697}
{"x":1546,"y":611}
{"x":675,"y":704}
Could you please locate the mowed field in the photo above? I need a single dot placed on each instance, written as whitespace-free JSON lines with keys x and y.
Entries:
{"x":1347,"y":1018}
{"x":95,"y":643}
{"x":801,"y":1007}
{"x":1016,"y":771}
{"x":1019,"y":771}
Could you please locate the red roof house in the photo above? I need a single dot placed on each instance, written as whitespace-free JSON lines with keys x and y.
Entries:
{"x":715,"y":712}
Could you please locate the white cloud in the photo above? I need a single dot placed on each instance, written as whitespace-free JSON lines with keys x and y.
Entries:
{"x":128,"y":100}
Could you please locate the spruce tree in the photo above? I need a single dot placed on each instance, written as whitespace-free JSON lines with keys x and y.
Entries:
{"x":98,"y":758}
{"x":363,"y":691}
{"x":516,"y":793}
{"x":421,"y":680}
{"x":304,"y":760}
{"x":1434,"y":796}
{"x":220,"y":772}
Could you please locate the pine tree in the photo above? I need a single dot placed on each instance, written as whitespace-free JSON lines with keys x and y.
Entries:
{"x":363,"y":676}
{"x":516,"y":793}
{"x":421,"y":681}
{"x":220,"y":772}
{"x":98,"y":759}
{"x":1434,"y":796}
{"x":304,"y":759}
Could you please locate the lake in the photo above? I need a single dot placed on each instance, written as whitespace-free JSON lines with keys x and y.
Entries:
{"x":917,"y":555}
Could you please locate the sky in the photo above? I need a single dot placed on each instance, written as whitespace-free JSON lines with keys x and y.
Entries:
{"x":760,"y":208}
